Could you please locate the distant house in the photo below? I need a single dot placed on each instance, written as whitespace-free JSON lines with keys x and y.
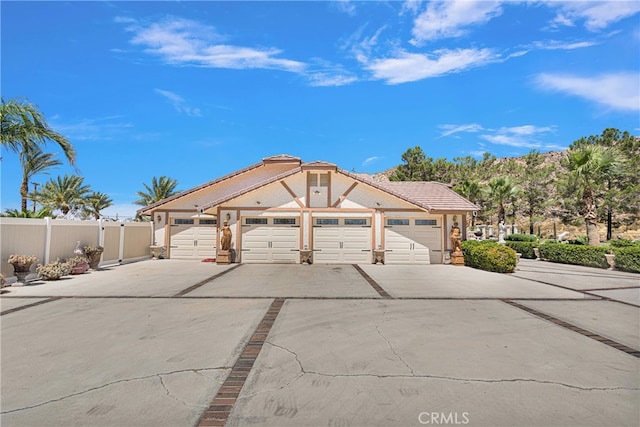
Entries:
{"x":281,"y":206}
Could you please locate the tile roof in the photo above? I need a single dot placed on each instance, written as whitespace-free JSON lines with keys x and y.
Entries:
{"x":431,"y":196}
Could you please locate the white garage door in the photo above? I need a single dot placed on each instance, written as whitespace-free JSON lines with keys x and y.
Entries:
{"x":270,"y":240}
{"x":341,"y":240}
{"x":413,"y":241}
{"x":192,"y":239}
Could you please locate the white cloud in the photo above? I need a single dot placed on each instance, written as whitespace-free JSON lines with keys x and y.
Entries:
{"x":448,"y":130}
{"x":560,"y":45}
{"x":96,"y":129}
{"x":345,"y":6}
{"x":524,"y":136}
{"x":370,"y":160}
{"x":327,"y":79}
{"x":619,"y":91}
{"x":186,"y":42}
{"x":409,"y":67}
{"x":179,"y":103}
{"x":444,"y":19}
{"x":597,"y":15}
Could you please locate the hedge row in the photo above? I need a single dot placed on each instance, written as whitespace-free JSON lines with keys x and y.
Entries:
{"x":590,"y":256}
{"x":525,"y":248}
{"x":521,"y":238}
{"x":489,"y":255}
{"x":628,"y":258}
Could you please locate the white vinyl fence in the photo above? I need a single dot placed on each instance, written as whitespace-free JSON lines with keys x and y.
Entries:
{"x":50,"y":239}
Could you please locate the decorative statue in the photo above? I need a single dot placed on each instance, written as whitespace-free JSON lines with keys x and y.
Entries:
{"x":455,"y":237}
{"x":225,"y":241}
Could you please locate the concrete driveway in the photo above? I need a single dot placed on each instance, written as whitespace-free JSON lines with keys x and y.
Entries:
{"x":182,"y":343}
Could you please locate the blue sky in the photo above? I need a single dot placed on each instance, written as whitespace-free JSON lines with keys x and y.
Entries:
{"x":196,"y":90}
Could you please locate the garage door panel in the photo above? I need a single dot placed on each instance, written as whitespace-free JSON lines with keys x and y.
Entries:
{"x":342,"y":244}
{"x":413,"y":243}
{"x":192,"y":241}
{"x":269,"y":243}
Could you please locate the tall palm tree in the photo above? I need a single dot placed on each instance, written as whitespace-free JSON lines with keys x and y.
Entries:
{"x":160,"y":188}
{"x":67,"y":193}
{"x":501,"y":191}
{"x":22,"y":125}
{"x":96,"y":202}
{"x":589,"y":167}
{"x":34,"y":161}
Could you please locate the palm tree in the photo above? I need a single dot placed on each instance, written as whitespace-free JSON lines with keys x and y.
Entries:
{"x":96,"y":202}
{"x":501,"y":190}
{"x":22,"y":125}
{"x":589,"y":167}
{"x":160,"y":188}
{"x":67,"y":193}
{"x":34,"y":161}
{"x":15,"y":213}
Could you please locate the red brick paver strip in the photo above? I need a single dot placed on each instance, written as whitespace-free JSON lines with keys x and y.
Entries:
{"x":222,"y":404}
{"x":372,"y":282}
{"x":574,"y":328}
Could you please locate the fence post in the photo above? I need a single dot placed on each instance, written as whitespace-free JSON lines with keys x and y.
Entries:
{"x":47,"y":239}
{"x":121,"y":249}
{"x":100,"y":232}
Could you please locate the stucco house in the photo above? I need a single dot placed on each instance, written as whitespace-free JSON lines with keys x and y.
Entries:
{"x":282,"y":209}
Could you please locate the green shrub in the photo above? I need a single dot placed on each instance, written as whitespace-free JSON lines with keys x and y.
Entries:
{"x":488,"y":255}
{"x":624,"y":243}
{"x":521,"y":238}
{"x":590,"y":256}
{"x":524,"y":248}
{"x":628,"y":258}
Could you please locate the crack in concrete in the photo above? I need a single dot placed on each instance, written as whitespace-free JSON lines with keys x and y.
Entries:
{"x":79,"y":393}
{"x":300,"y":375}
{"x":393,"y":350}
{"x":437,"y":377}
{"x":185,"y":404}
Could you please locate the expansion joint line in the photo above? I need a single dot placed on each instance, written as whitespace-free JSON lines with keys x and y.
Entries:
{"x":574,"y":328}
{"x":222,"y":404}
{"x":205,"y":281}
{"x":22,"y":307}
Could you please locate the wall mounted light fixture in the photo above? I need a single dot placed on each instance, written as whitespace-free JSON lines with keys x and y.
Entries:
{"x":228,"y":216}
{"x":158,"y":218}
